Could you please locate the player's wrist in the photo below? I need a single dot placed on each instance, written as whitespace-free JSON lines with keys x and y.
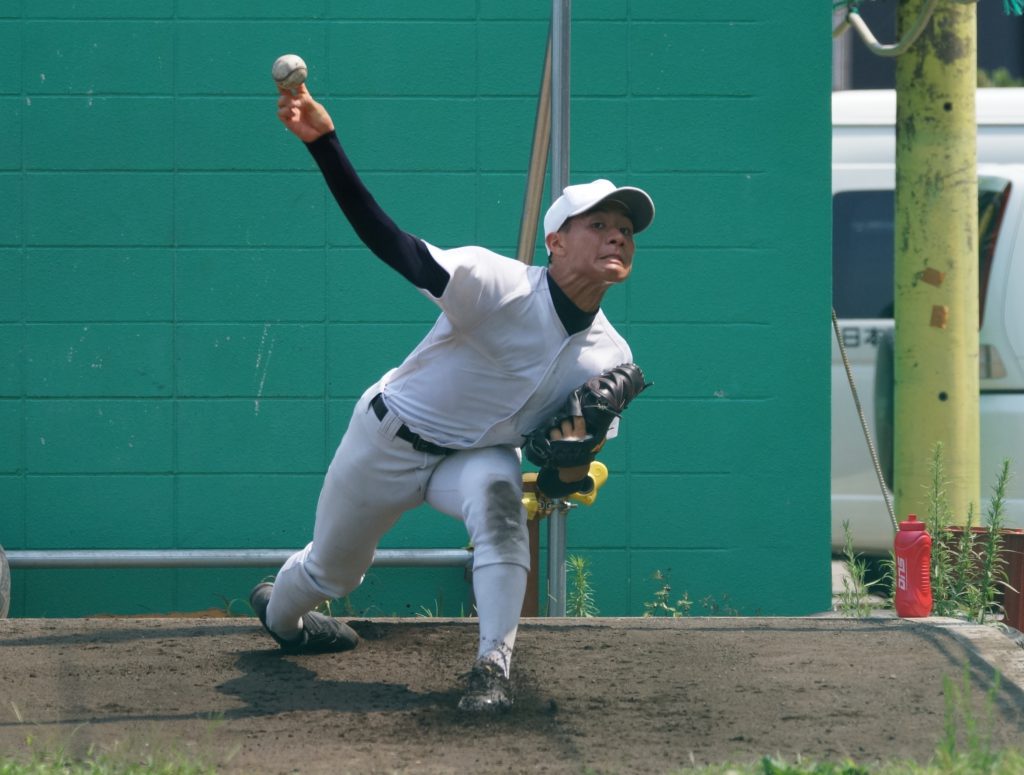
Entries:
{"x":574,"y":474}
{"x":551,"y":485}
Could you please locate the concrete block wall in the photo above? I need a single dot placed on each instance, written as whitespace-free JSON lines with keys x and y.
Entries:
{"x":186,"y":319}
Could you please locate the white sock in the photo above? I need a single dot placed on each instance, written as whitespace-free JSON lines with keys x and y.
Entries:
{"x":291,"y":597}
{"x":499,"y":590}
{"x":287,"y":628}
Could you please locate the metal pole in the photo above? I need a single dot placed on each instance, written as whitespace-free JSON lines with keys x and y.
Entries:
{"x":556,"y":562}
{"x":538,"y":165}
{"x":216,"y":558}
{"x":561,"y":21}
{"x":936,"y":267}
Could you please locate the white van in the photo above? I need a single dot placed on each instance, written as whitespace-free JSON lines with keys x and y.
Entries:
{"x":863,"y":178}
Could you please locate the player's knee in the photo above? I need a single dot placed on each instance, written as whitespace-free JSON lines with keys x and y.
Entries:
{"x":503,"y":536}
{"x":504,"y":508}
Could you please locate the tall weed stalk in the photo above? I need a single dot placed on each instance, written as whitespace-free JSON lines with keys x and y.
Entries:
{"x":580,"y":601}
{"x":937,"y":523}
{"x":968,"y":568}
{"x":994,"y":572}
{"x":853,"y":599}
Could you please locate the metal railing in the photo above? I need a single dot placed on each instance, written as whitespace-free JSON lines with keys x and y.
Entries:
{"x":216,"y":558}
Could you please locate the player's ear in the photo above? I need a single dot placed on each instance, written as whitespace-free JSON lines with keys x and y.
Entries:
{"x":555,"y":243}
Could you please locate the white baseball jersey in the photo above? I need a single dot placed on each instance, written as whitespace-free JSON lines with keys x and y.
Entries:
{"x":501,"y":359}
{"x":498,"y":361}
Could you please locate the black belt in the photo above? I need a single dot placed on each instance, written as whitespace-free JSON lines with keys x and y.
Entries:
{"x":418,"y":443}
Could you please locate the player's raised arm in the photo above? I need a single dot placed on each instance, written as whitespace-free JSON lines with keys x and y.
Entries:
{"x":308,"y":120}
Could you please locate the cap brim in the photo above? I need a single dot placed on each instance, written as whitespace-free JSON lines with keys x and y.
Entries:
{"x":635,"y":200}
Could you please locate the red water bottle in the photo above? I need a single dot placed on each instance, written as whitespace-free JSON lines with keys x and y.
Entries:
{"x":913,"y":569}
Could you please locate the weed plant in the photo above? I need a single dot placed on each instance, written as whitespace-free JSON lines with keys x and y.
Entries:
{"x":993,"y":561}
{"x":968,"y":568}
{"x":431,"y":612}
{"x":580,"y":601}
{"x":662,"y":604}
{"x":1000,"y":77}
{"x":436,"y":610}
{"x":854,"y":599}
{"x":712,"y":606}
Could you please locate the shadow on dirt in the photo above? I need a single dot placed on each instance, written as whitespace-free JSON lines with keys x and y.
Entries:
{"x":272,"y":684}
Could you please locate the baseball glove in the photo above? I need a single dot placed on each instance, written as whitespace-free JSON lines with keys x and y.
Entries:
{"x":598,"y":401}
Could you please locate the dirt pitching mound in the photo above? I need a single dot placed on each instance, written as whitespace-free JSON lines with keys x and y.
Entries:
{"x":604,"y":695}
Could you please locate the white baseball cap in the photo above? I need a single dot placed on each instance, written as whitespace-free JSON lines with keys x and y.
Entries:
{"x":586,"y":196}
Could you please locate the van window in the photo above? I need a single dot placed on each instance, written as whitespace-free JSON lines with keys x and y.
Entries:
{"x":862,"y":247}
{"x":862,"y":254}
{"x":993,"y":194}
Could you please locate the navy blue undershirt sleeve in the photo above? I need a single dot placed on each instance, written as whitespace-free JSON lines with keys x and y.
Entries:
{"x":406,"y":254}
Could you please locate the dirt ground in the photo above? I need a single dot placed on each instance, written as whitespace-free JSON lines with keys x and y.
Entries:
{"x":604,"y":695}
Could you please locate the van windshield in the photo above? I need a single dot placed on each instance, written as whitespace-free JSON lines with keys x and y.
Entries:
{"x":863,"y":247}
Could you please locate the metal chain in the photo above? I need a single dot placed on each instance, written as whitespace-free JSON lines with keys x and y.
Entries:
{"x":864,"y":423}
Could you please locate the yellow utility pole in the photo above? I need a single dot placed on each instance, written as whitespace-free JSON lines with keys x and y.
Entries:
{"x":936,"y":272}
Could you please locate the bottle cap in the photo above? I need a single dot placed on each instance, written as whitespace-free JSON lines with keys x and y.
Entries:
{"x":911,"y":523}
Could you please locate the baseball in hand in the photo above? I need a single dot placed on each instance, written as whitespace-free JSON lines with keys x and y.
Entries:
{"x":289,"y":71}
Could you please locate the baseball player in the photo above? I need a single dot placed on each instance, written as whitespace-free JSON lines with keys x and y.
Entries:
{"x":445,"y":426}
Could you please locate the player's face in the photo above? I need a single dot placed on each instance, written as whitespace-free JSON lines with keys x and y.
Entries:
{"x":599,"y":244}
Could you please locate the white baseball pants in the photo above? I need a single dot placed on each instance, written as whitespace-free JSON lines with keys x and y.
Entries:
{"x":373,"y":479}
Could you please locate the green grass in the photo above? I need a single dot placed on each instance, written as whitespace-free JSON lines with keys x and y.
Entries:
{"x":962,"y":763}
{"x":66,"y":756}
{"x":60,"y":763}
{"x":1003,"y":763}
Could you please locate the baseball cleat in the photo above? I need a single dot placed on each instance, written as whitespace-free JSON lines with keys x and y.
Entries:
{"x":320,"y":634}
{"x":487,"y":690}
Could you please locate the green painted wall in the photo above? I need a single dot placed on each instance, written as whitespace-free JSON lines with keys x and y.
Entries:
{"x":186,"y":319}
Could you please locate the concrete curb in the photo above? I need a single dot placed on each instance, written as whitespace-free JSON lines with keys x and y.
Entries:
{"x":1001,"y":651}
